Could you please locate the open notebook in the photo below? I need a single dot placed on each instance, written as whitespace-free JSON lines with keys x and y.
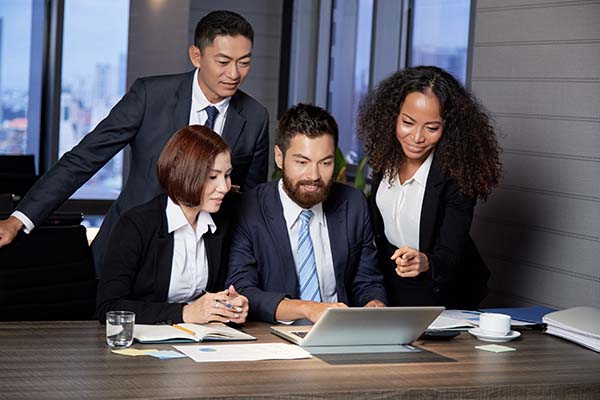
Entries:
{"x":187,"y":333}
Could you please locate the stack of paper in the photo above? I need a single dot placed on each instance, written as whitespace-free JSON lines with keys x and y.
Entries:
{"x":578,"y":324}
{"x":459,"y":320}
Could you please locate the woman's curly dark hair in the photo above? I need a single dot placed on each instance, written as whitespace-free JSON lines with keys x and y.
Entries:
{"x":467,"y":151}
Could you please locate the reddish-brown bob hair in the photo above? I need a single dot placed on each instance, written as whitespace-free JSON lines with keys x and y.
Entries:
{"x":186,"y":162}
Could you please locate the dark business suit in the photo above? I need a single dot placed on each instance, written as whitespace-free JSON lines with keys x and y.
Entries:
{"x":137,"y":268}
{"x":145,"y":118}
{"x":261,"y":264}
{"x":457,"y":276}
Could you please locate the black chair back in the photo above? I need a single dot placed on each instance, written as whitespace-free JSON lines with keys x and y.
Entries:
{"x":47,"y":275}
{"x":17,"y":164}
{"x":6,"y":203}
{"x":17,"y":174}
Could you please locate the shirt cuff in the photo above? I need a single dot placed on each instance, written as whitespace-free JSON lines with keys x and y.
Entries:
{"x":285,"y":322}
{"x":28,"y":225}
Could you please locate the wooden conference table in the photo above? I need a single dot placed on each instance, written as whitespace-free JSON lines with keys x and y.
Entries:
{"x":70,"y":360}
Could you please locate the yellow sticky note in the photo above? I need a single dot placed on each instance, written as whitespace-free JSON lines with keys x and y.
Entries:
{"x":495,"y":348}
{"x":133,"y":352}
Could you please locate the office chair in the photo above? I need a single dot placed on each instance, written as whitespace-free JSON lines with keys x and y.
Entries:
{"x":17,"y":174}
{"x":47,"y":275}
{"x":17,"y":164}
{"x":6,"y":203}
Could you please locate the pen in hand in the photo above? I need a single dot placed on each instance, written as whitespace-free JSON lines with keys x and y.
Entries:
{"x":229,"y":305}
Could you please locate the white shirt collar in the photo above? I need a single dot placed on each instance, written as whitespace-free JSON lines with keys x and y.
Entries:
{"x":176,"y":219}
{"x":291,"y":210}
{"x":423,"y":172}
{"x":199,"y":100}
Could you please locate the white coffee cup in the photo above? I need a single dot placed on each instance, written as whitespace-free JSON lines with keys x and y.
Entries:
{"x":493,"y":323}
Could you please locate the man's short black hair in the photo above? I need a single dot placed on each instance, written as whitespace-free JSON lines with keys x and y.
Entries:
{"x":221,"y":23}
{"x":304,"y":119}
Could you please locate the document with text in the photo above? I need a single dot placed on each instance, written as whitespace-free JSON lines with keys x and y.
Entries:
{"x":243,"y":352}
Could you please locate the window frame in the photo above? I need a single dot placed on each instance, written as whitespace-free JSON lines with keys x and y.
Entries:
{"x":50,"y":106}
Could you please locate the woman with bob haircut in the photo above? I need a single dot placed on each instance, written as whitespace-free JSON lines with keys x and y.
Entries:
{"x":433,"y":152}
{"x":166,"y":260}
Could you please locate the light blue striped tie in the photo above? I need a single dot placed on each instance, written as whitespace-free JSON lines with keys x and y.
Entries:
{"x":307,"y":267}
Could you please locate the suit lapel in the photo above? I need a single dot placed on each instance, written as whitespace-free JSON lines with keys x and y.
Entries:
{"x":234,"y":122}
{"x":213,"y":243}
{"x":431,"y":200}
{"x":183,"y":103}
{"x":273,"y":212}
{"x":163,"y":250}
{"x":335,"y":213}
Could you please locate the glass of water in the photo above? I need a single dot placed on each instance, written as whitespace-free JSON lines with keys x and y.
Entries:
{"x":119,"y":328}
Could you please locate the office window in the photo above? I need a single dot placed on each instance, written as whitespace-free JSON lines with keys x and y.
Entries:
{"x":20,"y":75}
{"x":349,"y":69}
{"x":94,"y":68}
{"x":440,"y":35}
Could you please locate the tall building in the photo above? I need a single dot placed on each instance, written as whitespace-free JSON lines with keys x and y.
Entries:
{"x":122,"y":73}
{"x":1,"y":103}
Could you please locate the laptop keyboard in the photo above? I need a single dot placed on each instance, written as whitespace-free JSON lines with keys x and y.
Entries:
{"x":301,"y":334}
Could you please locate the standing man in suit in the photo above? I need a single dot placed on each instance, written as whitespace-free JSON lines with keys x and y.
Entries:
{"x":145,"y":118}
{"x":304,"y":243}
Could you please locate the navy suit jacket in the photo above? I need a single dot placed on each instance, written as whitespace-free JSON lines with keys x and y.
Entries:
{"x":145,"y":118}
{"x":139,"y":259}
{"x":457,"y":276}
{"x":261,"y":264}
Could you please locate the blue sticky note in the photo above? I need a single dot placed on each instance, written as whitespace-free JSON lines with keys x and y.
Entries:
{"x":166,"y":354}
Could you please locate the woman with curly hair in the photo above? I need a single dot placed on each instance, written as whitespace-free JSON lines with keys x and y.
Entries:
{"x":433,"y":152}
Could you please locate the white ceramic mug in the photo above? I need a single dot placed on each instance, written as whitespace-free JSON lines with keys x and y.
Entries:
{"x":493,"y":323}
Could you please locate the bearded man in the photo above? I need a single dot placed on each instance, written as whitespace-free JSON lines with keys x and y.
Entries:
{"x":304,"y":243}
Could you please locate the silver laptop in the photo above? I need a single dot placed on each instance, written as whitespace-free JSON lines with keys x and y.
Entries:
{"x":362,"y":327}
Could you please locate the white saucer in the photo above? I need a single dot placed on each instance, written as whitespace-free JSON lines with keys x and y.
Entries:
{"x":490,"y":337}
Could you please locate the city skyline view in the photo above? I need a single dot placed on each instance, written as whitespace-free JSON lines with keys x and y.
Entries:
{"x":94,"y":59}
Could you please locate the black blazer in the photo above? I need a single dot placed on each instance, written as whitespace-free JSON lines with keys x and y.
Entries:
{"x":145,"y":118}
{"x":457,"y":276}
{"x":138,"y":262}
{"x":261,"y":264}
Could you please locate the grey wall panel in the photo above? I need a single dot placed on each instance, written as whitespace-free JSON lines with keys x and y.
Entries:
{"x":541,"y":211}
{"x":265,"y":45}
{"x":568,"y":99}
{"x":267,"y":22}
{"x":150,"y":50}
{"x":487,"y":5}
{"x":243,"y":7}
{"x":550,"y":136}
{"x":545,"y":250}
{"x":526,"y":285}
{"x":538,"y":62}
{"x":572,"y":22}
{"x":265,"y":89}
{"x":539,"y":173}
{"x":264,"y":67}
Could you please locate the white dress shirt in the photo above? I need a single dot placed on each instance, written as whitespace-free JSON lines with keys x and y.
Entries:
{"x":320,"y":238}
{"x":198,"y":115}
{"x":400,"y":206}
{"x":189,"y":271}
